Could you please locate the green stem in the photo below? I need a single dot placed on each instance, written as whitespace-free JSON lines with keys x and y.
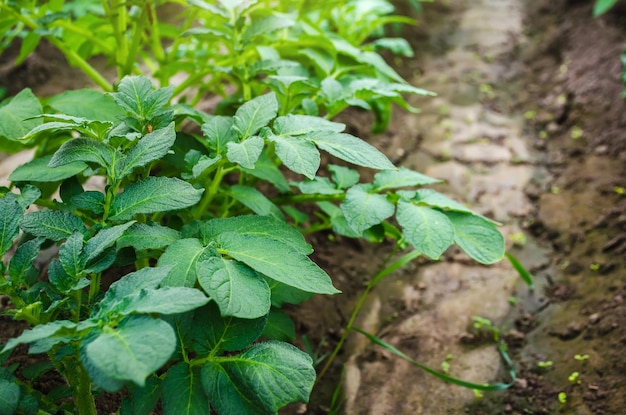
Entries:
{"x":94,"y":287}
{"x":382,"y":273}
{"x":118,"y":16}
{"x":81,"y":386}
{"x":135,"y":41}
{"x":155,"y":33}
{"x":211,"y":190}
{"x":106,"y":47}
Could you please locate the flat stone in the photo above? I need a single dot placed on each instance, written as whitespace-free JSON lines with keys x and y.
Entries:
{"x":485,"y":153}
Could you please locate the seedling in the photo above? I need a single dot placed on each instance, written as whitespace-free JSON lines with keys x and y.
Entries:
{"x":573,"y":378}
{"x":581,"y":357}
{"x":545,"y":364}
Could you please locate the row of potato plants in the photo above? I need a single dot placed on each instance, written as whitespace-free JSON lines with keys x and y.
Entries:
{"x":168,"y":280}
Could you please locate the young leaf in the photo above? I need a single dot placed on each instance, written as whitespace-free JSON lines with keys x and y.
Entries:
{"x":104,"y":239}
{"x":142,"y":236}
{"x":279,"y":326}
{"x":265,"y":25}
{"x":124,"y":354}
{"x":219,"y":131}
{"x":63,"y":281}
{"x":245,"y":153}
{"x":152,"y":146}
{"x":254,"y":114}
{"x":255,"y":201}
{"x":343,"y":176}
{"x":402,"y":177}
{"x":238,"y":290}
{"x":21,"y":268}
{"x":184,"y":255}
{"x":264,"y":226}
{"x":101,"y":106}
{"x":277,"y":261}
{"x":154,"y":194}
{"x":602,"y":6}
{"x":142,"y":401}
{"x":10,"y":215}
{"x":320,"y":185}
{"x":478,"y":237}
{"x":351,"y":149}
{"x":9,"y":397}
{"x":52,"y":224}
{"x":183,"y":393}
{"x":298,"y":155}
{"x":210,"y":332}
{"x":165,"y":300}
{"x":363,"y":210}
{"x":39,"y":332}
{"x":261,"y":380}
{"x":71,"y":255}
{"x":92,"y":201}
{"x":429,"y":231}
{"x":131,"y":284}
{"x":266,"y":169}
{"x":135,"y":95}
{"x":37,"y":170}
{"x":85,"y":150}
{"x":294,"y":125}
{"x":18,"y":117}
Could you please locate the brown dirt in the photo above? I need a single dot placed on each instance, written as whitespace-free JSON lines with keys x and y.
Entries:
{"x":568,"y":73}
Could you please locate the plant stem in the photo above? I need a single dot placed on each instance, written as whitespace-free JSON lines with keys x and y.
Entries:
{"x":211,"y":190}
{"x":382,"y":273}
{"x":83,"y":396}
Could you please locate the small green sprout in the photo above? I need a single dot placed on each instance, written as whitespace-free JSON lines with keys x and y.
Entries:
{"x":576,"y":132}
{"x":573,"y":378}
{"x":594,"y":267}
{"x":478,"y":394}
{"x":545,"y":364}
{"x":530,"y":114}
{"x":581,"y":357}
{"x":518,"y":238}
{"x":513,"y":301}
{"x":562,"y":396}
{"x":619,"y":190}
{"x":445,"y":365}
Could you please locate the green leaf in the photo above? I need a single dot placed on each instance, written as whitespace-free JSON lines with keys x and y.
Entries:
{"x":238,"y":290}
{"x":278,"y":261}
{"x":91,"y":201}
{"x":210,"y":332}
{"x":42,"y":331}
{"x":602,"y":6}
{"x":151,"y":147}
{"x":297,"y":154}
{"x":255,"y":201}
{"x":9,"y":397}
{"x":245,"y":153}
{"x":397,"y":45}
{"x":131,"y":285}
{"x":265,"y":25}
{"x":428,"y":230}
{"x":219,"y":131}
{"x":319,"y":185}
{"x":86,"y":103}
{"x":183,"y":393}
{"x":279,"y":326}
{"x":261,"y":380}
{"x":17,"y":117}
{"x":154,"y":194}
{"x":135,"y":95}
{"x":37,"y":170}
{"x":21,"y":268}
{"x":70,"y":255}
{"x":338,"y":220}
{"x":343,"y":176}
{"x":124,"y":354}
{"x":63,"y":281}
{"x":254,"y":114}
{"x":263,"y":226}
{"x":265,"y":169}
{"x":165,"y":300}
{"x":351,"y":149}
{"x":363,"y":210}
{"x":10,"y":215}
{"x":52,"y":224}
{"x":184,"y":255}
{"x":28,"y":46}
{"x":104,"y":239}
{"x":85,"y":150}
{"x":142,"y":237}
{"x":478,"y":237}
{"x":293,"y":125}
{"x":402,"y":177}
{"x":142,"y":401}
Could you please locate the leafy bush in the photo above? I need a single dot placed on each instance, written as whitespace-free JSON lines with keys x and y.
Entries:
{"x":168,"y":279}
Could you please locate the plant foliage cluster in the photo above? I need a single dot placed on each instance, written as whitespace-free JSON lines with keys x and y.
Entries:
{"x":168,"y":279}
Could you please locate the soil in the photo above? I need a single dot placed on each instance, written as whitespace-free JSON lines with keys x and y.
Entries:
{"x":528,"y":128}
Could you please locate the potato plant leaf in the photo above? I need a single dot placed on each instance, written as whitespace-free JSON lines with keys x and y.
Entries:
{"x":85,"y":150}
{"x":245,"y":153}
{"x":9,"y":397}
{"x":165,"y":300}
{"x":17,"y":117}
{"x":294,"y":125}
{"x":101,"y":106}
{"x":71,"y":255}
{"x":297,"y":154}
{"x":37,"y":170}
{"x":428,"y":230}
{"x":131,"y":285}
{"x":135,"y":95}
{"x":219,"y":131}
{"x":402,"y":177}
{"x":152,"y":146}
{"x":212,"y":333}
{"x":10,"y":215}
{"x":261,"y":380}
{"x":154,"y":194}
{"x":278,"y":261}
{"x":21,"y":268}
{"x":142,"y":236}
{"x":602,"y":6}
{"x":478,"y":237}
{"x":184,"y":255}
{"x":238,"y":290}
{"x":39,"y":332}
{"x":183,"y":393}
{"x":344,"y":177}
{"x":363,"y":210}
{"x":52,"y":224}
{"x":255,"y":201}
{"x":123,"y":353}
{"x":143,"y":400}
{"x":254,"y":114}
{"x":104,"y":239}
{"x":264,"y":226}
{"x":351,"y":149}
